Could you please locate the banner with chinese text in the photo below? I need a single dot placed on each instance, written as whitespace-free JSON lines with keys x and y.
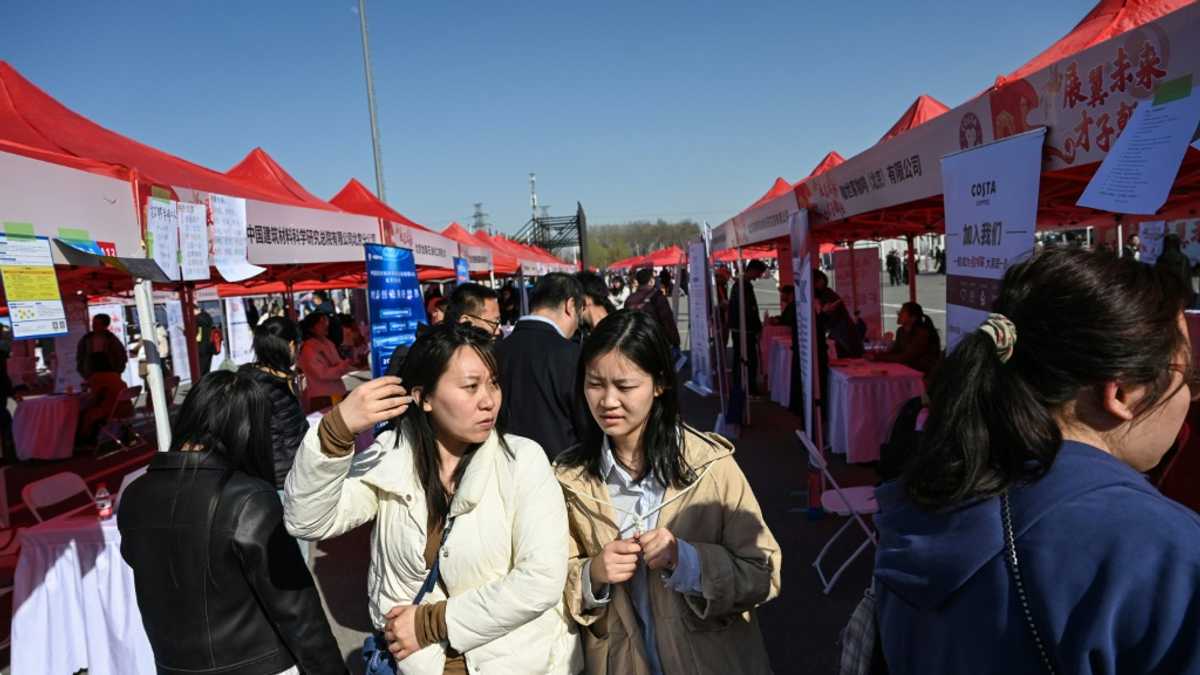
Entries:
{"x":991,"y":214}
{"x":701,"y":380}
{"x":394,"y":302}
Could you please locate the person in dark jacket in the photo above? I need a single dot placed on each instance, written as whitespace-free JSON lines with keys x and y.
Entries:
{"x":1175,"y":261}
{"x":1040,"y":427}
{"x":99,"y":350}
{"x":754,"y":271}
{"x":917,"y":344}
{"x":205,"y":350}
{"x":649,"y":298}
{"x":596,"y":304}
{"x":537,"y":367}
{"x":275,"y":343}
{"x":220,"y":584}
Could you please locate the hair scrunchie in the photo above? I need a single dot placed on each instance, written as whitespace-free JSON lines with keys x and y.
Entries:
{"x":1003,"y":332}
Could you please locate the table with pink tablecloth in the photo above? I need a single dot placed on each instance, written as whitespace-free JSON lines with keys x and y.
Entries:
{"x":770,"y":333}
{"x":74,"y":601}
{"x":864,"y":398}
{"x":44,"y":426}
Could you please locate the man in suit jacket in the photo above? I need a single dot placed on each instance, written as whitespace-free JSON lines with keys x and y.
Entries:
{"x":538,"y":362}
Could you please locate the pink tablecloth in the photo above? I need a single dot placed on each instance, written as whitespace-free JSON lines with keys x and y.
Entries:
{"x":770,"y":334}
{"x":44,"y":426}
{"x":863,"y":400}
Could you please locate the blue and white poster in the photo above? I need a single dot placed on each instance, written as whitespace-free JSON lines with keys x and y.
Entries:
{"x":462,"y":271}
{"x":394,"y":302}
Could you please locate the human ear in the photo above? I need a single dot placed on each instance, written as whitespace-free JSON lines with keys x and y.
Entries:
{"x":1120,"y":400}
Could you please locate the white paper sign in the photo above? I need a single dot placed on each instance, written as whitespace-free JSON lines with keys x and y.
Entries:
{"x":1151,"y":235}
{"x":991,"y":197}
{"x":1137,"y":175}
{"x":802,"y":271}
{"x":66,"y":377}
{"x":193,"y":240}
{"x":162,"y":235}
{"x":229,"y":238}
{"x":178,"y":339}
{"x":31,"y":289}
{"x":241,"y":336}
{"x":698,"y":320}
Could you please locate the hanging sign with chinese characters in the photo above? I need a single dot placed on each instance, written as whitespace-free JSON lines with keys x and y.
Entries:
{"x":991,"y":212}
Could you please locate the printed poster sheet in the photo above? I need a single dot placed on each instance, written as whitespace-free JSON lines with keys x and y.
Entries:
{"x":162,"y":235}
{"x":698,"y":320}
{"x":178,"y":340}
{"x":229,"y":238}
{"x":34,"y":303}
{"x":862,"y":296}
{"x":991,"y":197}
{"x":193,"y":240}
{"x":462,"y":271}
{"x":802,"y":271}
{"x":394,"y":302}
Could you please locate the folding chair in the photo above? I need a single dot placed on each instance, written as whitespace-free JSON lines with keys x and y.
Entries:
{"x":855,"y":502}
{"x":51,"y":491}
{"x":123,"y":414}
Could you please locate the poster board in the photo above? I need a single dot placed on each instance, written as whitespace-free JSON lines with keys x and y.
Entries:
{"x":701,"y":380}
{"x":1151,"y":235}
{"x":462,"y":272}
{"x":805,"y":326}
{"x":178,"y":340}
{"x":241,"y":335}
{"x":862,"y":295}
{"x":66,"y":378}
{"x":394,"y":302}
{"x":991,"y":197}
{"x":35,"y":304}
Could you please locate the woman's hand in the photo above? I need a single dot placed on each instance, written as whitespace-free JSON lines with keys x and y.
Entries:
{"x":376,"y":401}
{"x":616,"y":563}
{"x":400,"y":631}
{"x":660,"y":549}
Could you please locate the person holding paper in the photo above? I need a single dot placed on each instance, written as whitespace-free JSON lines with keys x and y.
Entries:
{"x":670,"y":554}
{"x":321,"y":363}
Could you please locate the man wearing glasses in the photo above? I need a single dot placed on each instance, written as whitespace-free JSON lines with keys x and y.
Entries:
{"x":477,"y":305}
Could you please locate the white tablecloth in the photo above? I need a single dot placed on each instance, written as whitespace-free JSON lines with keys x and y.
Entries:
{"x":863,"y":400}
{"x":779,"y":370}
{"x":74,"y":604}
{"x":44,"y":426}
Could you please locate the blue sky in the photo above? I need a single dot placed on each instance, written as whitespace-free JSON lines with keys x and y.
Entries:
{"x":639,"y":110}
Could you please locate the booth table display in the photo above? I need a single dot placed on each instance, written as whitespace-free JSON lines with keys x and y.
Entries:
{"x":74,"y":603}
{"x":770,"y":332}
{"x":44,"y":426}
{"x":779,"y":370}
{"x":864,"y":398}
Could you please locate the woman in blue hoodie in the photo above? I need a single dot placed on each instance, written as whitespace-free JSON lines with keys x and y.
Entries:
{"x":1022,"y":537}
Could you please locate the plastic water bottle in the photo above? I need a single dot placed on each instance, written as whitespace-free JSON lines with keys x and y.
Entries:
{"x":104,"y":506}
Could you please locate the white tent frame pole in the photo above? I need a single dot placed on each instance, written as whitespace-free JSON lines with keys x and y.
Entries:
{"x":743,"y":361}
{"x":144,"y":295}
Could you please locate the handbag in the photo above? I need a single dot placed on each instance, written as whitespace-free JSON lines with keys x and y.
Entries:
{"x":1014,"y":568}
{"x":862,"y":645}
{"x":377,"y":659}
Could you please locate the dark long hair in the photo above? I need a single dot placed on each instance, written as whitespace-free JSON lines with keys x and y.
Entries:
{"x":1082,"y":319}
{"x":918,"y":312}
{"x":426,"y":363}
{"x":310,"y":321}
{"x":227,"y":414}
{"x":638,"y":338}
{"x":272,"y":344}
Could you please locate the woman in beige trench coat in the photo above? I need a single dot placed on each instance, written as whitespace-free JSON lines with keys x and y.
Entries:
{"x":670,"y":555}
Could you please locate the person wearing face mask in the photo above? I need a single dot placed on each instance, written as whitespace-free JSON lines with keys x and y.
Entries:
{"x":670,"y":554}
{"x":539,"y":362}
{"x":596,"y":304}
{"x":1022,"y":536}
{"x":469,"y":547}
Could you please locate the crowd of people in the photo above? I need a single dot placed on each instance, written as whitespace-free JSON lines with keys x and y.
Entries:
{"x":539,"y":505}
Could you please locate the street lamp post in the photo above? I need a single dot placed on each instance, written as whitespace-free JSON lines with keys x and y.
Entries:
{"x":362,"y":20}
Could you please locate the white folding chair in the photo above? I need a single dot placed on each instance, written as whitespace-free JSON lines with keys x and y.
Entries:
{"x":121,"y":419}
{"x":53,"y":490}
{"x":855,"y":502}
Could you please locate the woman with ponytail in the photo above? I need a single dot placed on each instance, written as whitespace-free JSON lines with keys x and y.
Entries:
{"x":1022,"y":536}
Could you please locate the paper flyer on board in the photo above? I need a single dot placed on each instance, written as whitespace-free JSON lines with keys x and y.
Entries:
{"x":193,"y":241}
{"x":178,"y":340}
{"x":1136,"y":176}
{"x":31,"y":287}
{"x":162,"y":235}
{"x":991,"y":195}
{"x":229,"y":238}
{"x":866,"y":300}
{"x":241,"y":334}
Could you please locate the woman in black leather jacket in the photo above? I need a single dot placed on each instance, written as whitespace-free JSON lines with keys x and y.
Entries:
{"x":276,"y":342}
{"x":221,"y":585}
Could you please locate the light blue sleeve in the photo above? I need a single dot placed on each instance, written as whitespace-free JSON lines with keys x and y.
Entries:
{"x":686,"y":578}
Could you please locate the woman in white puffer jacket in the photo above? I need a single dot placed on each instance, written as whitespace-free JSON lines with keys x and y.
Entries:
{"x":441,"y":467}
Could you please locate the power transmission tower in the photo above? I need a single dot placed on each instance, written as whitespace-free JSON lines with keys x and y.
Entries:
{"x":479,"y":221}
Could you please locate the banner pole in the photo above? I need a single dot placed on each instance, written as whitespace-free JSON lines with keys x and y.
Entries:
{"x":744,"y":354}
{"x":911,"y":262}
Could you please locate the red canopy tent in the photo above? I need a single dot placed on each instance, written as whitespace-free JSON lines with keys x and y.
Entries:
{"x":627,"y":263}
{"x":503,"y":265}
{"x":921,"y":111}
{"x":667,"y":257}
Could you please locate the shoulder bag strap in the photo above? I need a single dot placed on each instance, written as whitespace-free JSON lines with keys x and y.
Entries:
{"x":1014,"y":567}
{"x":431,"y":579}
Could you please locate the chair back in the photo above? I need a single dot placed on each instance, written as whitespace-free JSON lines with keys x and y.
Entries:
{"x":56,"y":489}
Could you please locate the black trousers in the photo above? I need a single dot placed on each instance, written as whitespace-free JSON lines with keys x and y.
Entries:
{"x":751,"y":360}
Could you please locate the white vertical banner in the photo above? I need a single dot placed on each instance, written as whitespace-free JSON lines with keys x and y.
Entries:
{"x":991,"y":196}
{"x":241,"y":337}
{"x":802,"y":273}
{"x":178,"y":340}
{"x":865,"y":301}
{"x":701,"y":381}
{"x":162,"y":235}
{"x":193,"y":241}
{"x":1151,"y":235}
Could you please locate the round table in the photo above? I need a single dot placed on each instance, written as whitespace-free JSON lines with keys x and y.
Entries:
{"x":44,"y":426}
{"x":863,"y":400}
{"x":74,"y":603}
